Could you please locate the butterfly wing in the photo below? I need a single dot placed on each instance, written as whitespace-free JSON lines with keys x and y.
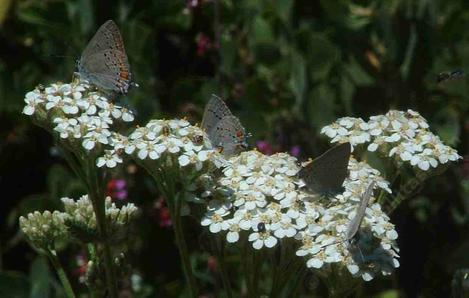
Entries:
{"x":107,"y":37}
{"x":229,"y":135}
{"x":105,"y":70}
{"x":356,"y":222}
{"x":104,"y":61}
{"x":215,"y":111}
{"x":326,"y":173}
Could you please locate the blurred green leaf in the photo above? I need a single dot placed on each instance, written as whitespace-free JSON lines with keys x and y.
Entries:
{"x":347,"y":91}
{"x":336,"y":10}
{"x":261,"y":32}
{"x":40,"y":278}
{"x":321,"y":107}
{"x":14,"y":285}
{"x":228,"y":53}
{"x":357,"y":74}
{"x":408,"y":58}
{"x":33,"y":15}
{"x":282,"y":8}
{"x":298,"y":80}
{"x":447,"y":125}
{"x":320,"y":53}
{"x":389,"y":294}
{"x":4,"y":7}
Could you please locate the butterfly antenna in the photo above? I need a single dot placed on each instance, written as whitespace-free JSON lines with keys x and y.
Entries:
{"x":59,"y":56}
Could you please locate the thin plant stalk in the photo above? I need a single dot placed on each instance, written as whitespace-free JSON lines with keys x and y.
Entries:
{"x":98,"y":201}
{"x":61,"y":273}
{"x":219,"y":251}
{"x":174,"y":201}
{"x":94,"y":184}
{"x":247,"y":266}
{"x":182,"y":245}
{"x":256,"y":281}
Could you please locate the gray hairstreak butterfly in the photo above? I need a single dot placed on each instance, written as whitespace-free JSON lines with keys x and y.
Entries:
{"x":356,"y":222}
{"x":223,"y":129}
{"x":104,"y":62}
{"x":450,"y":75}
{"x":326,"y":173}
{"x":215,"y":110}
{"x":353,"y":227}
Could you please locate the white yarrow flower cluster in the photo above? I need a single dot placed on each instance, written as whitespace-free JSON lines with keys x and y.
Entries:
{"x":323,"y":241}
{"x":405,"y":135}
{"x":79,"y":114}
{"x":265,"y":202}
{"x":44,"y":229}
{"x":81,"y":210}
{"x":176,"y":154}
{"x":171,"y":142}
{"x":268,"y":204}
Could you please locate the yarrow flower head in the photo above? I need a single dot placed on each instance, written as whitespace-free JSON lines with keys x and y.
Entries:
{"x":265,"y":200}
{"x":323,"y":241}
{"x":405,"y":135}
{"x":81,"y":219}
{"x":44,"y":229}
{"x":174,"y":151}
{"x":173,"y":142}
{"x":80,"y":115}
{"x":268,"y":203}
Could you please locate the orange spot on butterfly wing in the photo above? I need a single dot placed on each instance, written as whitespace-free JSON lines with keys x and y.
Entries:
{"x":240,"y":134}
{"x":124,"y":74}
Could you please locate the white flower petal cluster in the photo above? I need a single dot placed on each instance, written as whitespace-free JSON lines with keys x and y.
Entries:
{"x":405,"y":135}
{"x":267,"y":203}
{"x":171,"y":142}
{"x":44,"y":229}
{"x":265,"y":200}
{"x":81,"y":210}
{"x":77,"y":113}
{"x":323,"y":241}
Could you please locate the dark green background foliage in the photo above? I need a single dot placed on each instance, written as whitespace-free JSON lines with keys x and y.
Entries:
{"x":286,"y":68}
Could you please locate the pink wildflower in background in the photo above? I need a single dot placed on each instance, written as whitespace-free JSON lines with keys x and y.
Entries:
{"x":117,"y":189}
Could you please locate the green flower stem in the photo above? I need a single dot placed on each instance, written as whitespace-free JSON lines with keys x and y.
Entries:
{"x":182,"y":245}
{"x":94,"y":184}
{"x":247,"y":266}
{"x":297,"y":278}
{"x":220,"y":255}
{"x":278,"y":270}
{"x":97,"y":198}
{"x":165,"y":182}
{"x":257,"y":265}
{"x":61,"y":273}
{"x":338,"y":284}
{"x":72,"y":162}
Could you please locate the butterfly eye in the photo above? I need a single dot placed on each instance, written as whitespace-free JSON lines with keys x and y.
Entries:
{"x":239,"y":134}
